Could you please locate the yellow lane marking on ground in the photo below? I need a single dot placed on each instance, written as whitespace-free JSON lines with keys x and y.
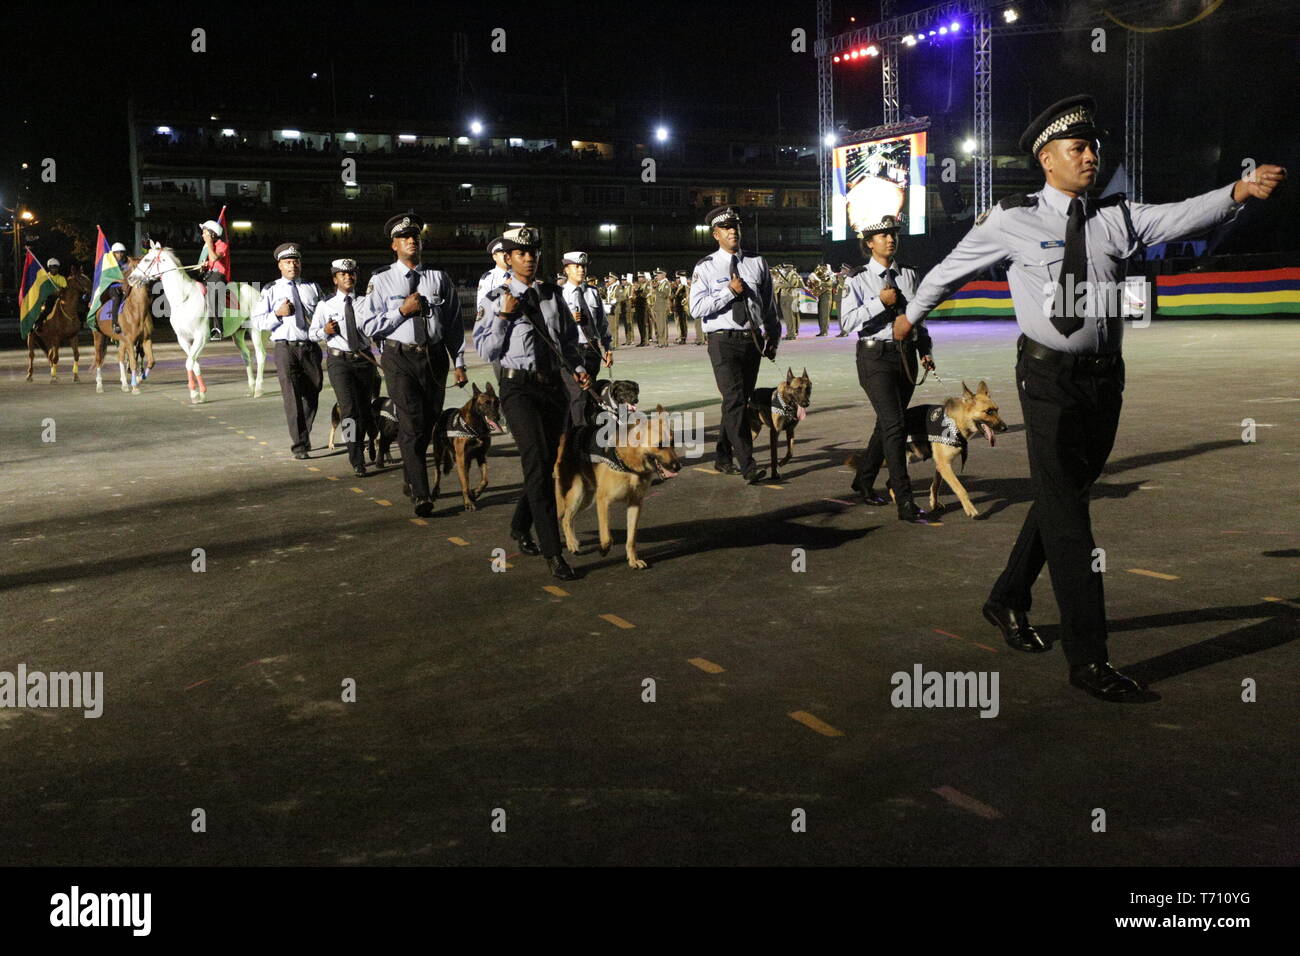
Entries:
{"x":706,"y":469}
{"x":552,"y":589}
{"x":946,"y":634}
{"x":707,"y":666}
{"x":969,"y":804}
{"x":261,"y":443}
{"x":381,"y":501}
{"x":312,"y":468}
{"x":617,"y":621}
{"x":459,"y":542}
{"x":811,"y":722}
{"x":239,"y":431}
{"x":357,"y":490}
{"x":213,"y":417}
{"x":332,"y":477}
{"x":1153,"y":574}
{"x":251,"y":437}
{"x":1279,"y":600}
{"x":777,"y":487}
{"x":991,"y":650}
{"x":419,"y":521}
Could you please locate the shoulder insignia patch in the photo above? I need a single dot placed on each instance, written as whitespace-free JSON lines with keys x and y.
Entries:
{"x":1018,"y":199}
{"x":370,"y":287}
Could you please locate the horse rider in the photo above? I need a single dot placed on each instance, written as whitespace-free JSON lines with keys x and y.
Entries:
{"x":53,"y":269}
{"x":212,"y":266}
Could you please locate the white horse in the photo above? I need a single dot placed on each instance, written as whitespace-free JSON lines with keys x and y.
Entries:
{"x":188,"y":311}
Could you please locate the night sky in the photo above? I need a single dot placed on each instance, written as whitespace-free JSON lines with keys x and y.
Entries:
{"x":1216,"y":92}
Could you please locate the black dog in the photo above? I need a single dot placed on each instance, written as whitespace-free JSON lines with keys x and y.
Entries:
{"x":608,"y":394}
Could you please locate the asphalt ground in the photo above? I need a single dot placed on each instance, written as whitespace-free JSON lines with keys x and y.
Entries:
{"x":479,"y":692}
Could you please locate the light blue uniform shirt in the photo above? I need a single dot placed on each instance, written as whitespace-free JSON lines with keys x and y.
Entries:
{"x":332,"y":309}
{"x":494,"y":278}
{"x":510,"y":341}
{"x":595,"y":305}
{"x":861,"y":301}
{"x":711,"y":295}
{"x":285,"y":329}
{"x":1031,"y":239}
{"x":378,"y":316}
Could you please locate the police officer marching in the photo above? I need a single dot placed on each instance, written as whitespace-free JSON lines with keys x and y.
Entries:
{"x":286,"y":309}
{"x":588,"y":311}
{"x":351,"y":366}
{"x":873,"y":296}
{"x":493,"y":278}
{"x":1069,"y":370}
{"x":659,"y":296}
{"x":413,"y":311}
{"x":732,"y":294}
{"x":528,"y":329}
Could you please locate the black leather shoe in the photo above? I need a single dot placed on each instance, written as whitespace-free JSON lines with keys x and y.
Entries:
{"x":300,"y":455}
{"x":1015,"y":628}
{"x":360,"y":471}
{"x":560,"y":569}
{"x":526,"y":543}
{"x":727,"y":469}
{"x":753,"y":474}
{"x":423,"y":507}
{"x":870,"y":496}
{"x":912,"y":513}
{"x":1105,"y":683}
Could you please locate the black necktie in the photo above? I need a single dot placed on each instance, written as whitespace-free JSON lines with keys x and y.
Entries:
{"x":350,"y":324}
{"x":739,"y":314}
{"x":544,"y":360}
{"x":588,"y":324}
{"x":299,"y":316}
{"x":421,"y":326}
{"x":1074,"y":270}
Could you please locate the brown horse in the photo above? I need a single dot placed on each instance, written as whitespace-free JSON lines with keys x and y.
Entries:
{"x":136,"y":322}
{"x":61,"y":327}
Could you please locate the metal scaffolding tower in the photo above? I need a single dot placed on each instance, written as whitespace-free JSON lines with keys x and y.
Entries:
{"x":825,"y":112}
{"x":983,"y":109}
{"x":889,"y":69}
{"x":1134,"y":87}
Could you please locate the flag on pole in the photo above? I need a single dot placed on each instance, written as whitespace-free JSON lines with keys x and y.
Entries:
{"x":35,"y":287}
{"x":107,"y":271}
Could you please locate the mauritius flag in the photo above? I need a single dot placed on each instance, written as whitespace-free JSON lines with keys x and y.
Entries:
{"x":36,"y":285}
{"x":107,"y":271}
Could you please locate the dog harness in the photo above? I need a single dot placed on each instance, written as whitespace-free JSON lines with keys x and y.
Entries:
{"x":930,"y":423}
{"x":454,"y":425}
{"x":793,"y":411}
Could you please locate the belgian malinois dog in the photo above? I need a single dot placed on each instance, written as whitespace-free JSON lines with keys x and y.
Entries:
{"x":781,"y":409}
{"x":942,"y":432}
{"x":463,"y":435}
{"x":585,"y":473}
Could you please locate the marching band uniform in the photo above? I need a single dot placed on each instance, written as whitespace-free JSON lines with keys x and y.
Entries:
{"x":681,"y":310}
{"x":588,"y":311}
{"x":532,"y":393}
{"x":297,"y":357}
{"x":659,"y":296}
{"x":351,"y":367}
{"x":1070,"y":376}
{"x":881,"y":372}
{"x":822,"y":285}
{"x":732,"y":322}
{"x":415,"y":351}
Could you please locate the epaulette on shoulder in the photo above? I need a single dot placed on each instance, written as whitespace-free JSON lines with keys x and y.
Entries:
{"x":381,"y":269}
{"x":704,"y":260}
{"x":855,"y":270}
{"x":1018,"y":199}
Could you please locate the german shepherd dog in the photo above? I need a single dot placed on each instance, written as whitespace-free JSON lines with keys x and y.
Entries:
{"x":623,"y":473}
{"x":463,"y":435}
{"x":942,"y":432}
{"x":781,"y":409}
